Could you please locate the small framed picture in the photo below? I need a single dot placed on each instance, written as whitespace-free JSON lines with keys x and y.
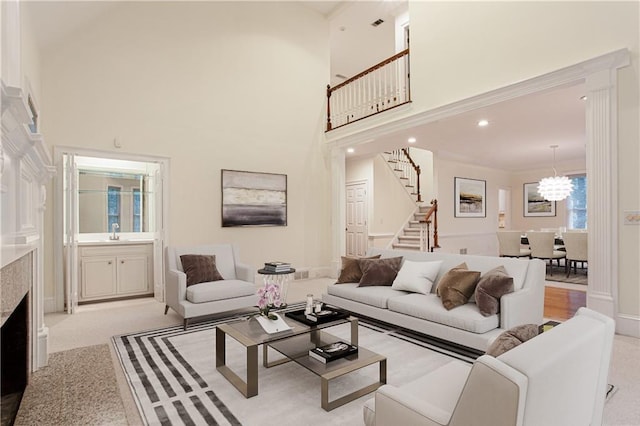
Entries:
{"x":534,"y":204}
{"x":470,"y":197}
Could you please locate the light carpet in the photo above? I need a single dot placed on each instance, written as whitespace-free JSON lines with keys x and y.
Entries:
{"x":174,"y":381}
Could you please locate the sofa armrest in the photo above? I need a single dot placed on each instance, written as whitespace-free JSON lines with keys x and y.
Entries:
{"x":525,"y":306}
{"x":176,"y":290}
{"x":245,"y":272}
{"x":394,"y":406}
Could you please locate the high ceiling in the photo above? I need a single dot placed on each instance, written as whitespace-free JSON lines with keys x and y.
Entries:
{"x":518,"y":136}
{"x":519,"y":132}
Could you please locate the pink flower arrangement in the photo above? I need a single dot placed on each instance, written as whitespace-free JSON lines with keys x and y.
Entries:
{"x":269,"y":298}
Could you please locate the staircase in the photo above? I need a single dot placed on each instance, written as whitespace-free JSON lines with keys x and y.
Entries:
{"x":420,"y":233}
{"x":409,"y":238}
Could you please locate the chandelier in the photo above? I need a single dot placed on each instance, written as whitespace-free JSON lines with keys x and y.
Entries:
{"x":555,"y":188}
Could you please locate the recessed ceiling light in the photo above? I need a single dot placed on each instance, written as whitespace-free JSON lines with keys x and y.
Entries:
{"x":351,"y":150}
{"x":411,"y":140}
{"x":483,"y":123}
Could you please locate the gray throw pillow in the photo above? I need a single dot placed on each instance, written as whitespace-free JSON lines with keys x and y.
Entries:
{"x":379,"y":272}
{"x":492,"y":286}
{"x":351,"y":272}
{"x":512,"y":338}
{"x":200,"y":268}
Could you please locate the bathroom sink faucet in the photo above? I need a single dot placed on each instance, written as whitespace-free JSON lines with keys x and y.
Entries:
{"x":114,"y":226}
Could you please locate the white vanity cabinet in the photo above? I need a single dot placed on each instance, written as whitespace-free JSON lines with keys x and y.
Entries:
{"x":114,"y":269}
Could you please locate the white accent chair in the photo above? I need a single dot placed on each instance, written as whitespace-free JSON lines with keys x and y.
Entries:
{"x":558,"y":378}
{"x":542,"y":247}
{"x":575,"y":243}
{"x":236,"y":291}
{"x":509,"y":244}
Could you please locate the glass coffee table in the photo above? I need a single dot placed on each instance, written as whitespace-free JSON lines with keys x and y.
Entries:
{"x":294,"y":344}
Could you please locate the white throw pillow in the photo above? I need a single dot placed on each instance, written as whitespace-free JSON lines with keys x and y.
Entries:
{"x":417,"y":277}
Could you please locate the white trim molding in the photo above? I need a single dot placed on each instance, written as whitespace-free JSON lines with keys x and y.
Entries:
{"x":628,"y":325}
{"x":26,"y":167}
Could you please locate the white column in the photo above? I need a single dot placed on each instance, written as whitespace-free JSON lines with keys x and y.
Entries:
{"x":602,"y":191}
{"x":338,"y":196}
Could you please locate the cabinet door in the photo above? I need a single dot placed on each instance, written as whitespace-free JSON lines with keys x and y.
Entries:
{"x":132,"y":274}
{"x":98,"y":277}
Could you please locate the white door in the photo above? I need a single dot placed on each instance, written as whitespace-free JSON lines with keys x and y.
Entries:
{"x":357,"y":233}
{"x":132,"y":274}
{"x":159,"y":235}
{"x":70,"y":184}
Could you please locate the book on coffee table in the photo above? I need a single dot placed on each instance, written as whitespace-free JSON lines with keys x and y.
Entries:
{"x":332,"y":351}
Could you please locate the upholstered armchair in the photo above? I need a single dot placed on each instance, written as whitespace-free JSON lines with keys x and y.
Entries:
{"x":233,"y":288}
{"x":557,"y":378}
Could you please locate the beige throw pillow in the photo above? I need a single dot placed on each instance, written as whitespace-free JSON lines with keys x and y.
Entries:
{"x":351,"y":272}
{"x":457,"y":286}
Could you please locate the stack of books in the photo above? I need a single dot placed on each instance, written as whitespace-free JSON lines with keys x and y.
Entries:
{"x":277,"y":267}
{"x":332,"y":351}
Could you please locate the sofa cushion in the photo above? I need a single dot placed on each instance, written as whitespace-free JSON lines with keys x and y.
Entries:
{"x":351,"y":272}
{"x":377,"y":296}
{"x":429,"y":307}
{"x":416,"y":277}
{"x":457,"y":286}
{"x":200,"y":268}
{"x":219,"y":290}
{"x":225,"y":257}
{"x":491,"y":287}
{"x":376,"y":272}
{"x":512,"y":338}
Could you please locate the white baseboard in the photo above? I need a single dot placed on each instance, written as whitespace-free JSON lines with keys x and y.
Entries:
{"x":49,"y":305}
{"x":316,"y":272}
{"x":628,"y":325}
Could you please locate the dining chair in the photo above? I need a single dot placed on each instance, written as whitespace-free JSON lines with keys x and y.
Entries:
{"x":542,"y":247}
{"x":575,"y":244}
{"x":509,"y":244}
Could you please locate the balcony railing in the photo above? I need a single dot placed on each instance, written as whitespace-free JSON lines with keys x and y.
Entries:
{"x":382,"y":87}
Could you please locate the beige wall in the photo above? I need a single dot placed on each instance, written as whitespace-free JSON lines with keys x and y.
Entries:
{"x":518,"y":220}
{"x":209,"y":85}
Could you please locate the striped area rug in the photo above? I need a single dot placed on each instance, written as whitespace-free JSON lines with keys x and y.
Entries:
{"x":173,"y":379}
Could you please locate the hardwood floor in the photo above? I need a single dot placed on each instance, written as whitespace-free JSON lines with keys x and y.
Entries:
{"x":561,"y":304}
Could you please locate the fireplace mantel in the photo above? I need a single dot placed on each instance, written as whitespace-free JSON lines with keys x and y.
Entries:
{"x":25,"y":168}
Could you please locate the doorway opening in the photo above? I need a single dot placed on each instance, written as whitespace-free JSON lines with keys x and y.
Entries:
{"x":110,"y":233}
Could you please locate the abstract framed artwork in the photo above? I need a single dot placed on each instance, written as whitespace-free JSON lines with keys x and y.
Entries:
{"x":253,"y":199}
{"x":534,"y":204}
{"x":470,"y":197}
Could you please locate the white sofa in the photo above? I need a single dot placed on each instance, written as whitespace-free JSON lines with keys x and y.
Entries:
{"x":236,"y":291}
{"x":557,"y":378}
{"x":424,"y":313}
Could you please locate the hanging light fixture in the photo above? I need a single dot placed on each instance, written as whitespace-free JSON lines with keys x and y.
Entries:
{"x":555,"y":188}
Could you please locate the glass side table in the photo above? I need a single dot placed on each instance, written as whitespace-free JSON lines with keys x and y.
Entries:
{"x":281,"y":279}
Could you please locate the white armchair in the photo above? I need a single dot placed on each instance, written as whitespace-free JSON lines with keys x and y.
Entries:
{"x":235,"y":291}
{"x":556,"y":378}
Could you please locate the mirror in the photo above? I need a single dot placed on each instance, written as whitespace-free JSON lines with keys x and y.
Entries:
{"x":106,"y":198}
